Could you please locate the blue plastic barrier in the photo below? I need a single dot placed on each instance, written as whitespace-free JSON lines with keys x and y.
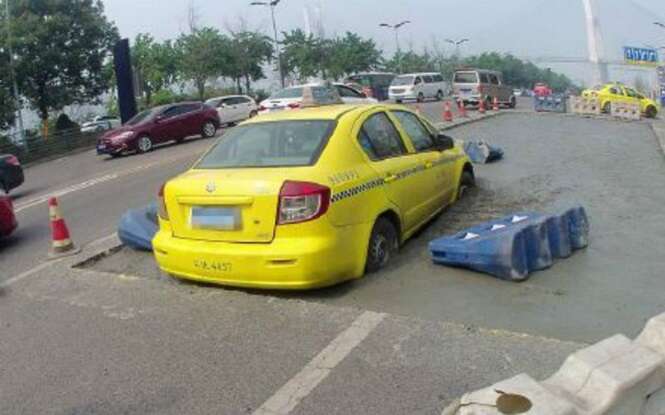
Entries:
{"x":511,"y":248}
{"x":551,"y":103}
{"x":138,"y":227}
{"x":480,"y":152}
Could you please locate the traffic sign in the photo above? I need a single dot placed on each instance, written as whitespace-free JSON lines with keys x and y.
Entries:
{"x":640,"y":56}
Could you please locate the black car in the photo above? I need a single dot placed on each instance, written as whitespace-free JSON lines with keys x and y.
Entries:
{"x":11,"y":173}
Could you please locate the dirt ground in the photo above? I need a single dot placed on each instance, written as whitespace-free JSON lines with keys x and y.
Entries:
{"x":614,"y":169}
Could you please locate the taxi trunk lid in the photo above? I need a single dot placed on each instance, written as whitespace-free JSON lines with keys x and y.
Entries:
{"x":224,"y":206}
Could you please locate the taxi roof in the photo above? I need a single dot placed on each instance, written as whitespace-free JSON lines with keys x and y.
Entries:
{"x":322,"y":112}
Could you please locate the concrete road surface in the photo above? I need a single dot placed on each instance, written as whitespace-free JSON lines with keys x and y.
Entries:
{"x":116,"y":336}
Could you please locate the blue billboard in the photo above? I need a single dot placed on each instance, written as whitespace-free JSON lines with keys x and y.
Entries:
{"x":640,"y":56}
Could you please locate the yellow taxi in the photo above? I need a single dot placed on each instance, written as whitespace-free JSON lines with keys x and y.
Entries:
{"x":616,"y":92}
{"x":307,"y":198}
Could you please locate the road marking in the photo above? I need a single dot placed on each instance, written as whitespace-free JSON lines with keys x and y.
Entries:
{"x":302,"y":384}
{"x":44,"y":265}
{"x":93,"y":182}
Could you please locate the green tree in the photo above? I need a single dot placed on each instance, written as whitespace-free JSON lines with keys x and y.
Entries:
{"x":204,"y":54}
{"x":61,"y":48}
{"x":303,"y":55}
{"x":249,"y":51}
{"x":411,"y":61}
{"x":156,"y":64}
{"x":351,"y":54}
{"x":7,"y":102}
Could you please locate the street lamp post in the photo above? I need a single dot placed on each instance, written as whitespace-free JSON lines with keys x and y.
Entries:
{"x":272,"y":5}
{"x":396,"y":28}
{"x":12,"y":72}
{"x":457,"y":44}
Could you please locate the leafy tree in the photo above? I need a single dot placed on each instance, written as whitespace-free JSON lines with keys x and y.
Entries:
{"x":204,"y":54}
{"x":156,"y":64}
{"x":61,"y":48}
{"x":249,"y":51}
{"x":351,"y":54}
{"x":411,"y":61}
{"x":303,"y":55}
{"x":7,"y":102}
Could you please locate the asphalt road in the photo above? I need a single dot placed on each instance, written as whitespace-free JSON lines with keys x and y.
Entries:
{"x":117,"y":336}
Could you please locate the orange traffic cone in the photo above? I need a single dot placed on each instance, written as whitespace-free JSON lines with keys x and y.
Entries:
{"x":418,"y":110}
{"x":61,"y":244}
{"x":495,"y":104}
{"x":481,"y":106}
{"x":462,"y":109}
{"x":447,"y":113}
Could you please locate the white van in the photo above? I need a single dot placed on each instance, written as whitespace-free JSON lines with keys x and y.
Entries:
{"x":419,"y":87}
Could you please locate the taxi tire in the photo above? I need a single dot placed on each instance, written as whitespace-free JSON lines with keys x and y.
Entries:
{"x":651,"y":112}
{"x":607,"y":108}
{"x":466,"y":182}
{"x":383,"y":245}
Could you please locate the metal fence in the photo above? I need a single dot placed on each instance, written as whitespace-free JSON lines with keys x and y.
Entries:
{"x":37,"y":147}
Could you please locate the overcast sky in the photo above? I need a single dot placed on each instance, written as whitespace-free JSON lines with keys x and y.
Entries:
{"x":527,"y":28}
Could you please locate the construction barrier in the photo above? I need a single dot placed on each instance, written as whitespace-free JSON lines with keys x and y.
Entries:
{"x":550,"y":103}
{"x":625,"y":111}
{"x":511,"y":248}
{"x":584,"y":106}
{"x":616,"y":376}
{"x":138,"y":227}
{"x":480,"y":152}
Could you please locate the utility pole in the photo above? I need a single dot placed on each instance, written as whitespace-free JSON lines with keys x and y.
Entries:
{"x":396,"y":28}
{"x":595,"y":43}
{"x":12,"y":72}
{"x":272,"y":5}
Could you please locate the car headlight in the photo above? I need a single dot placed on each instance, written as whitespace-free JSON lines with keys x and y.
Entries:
{"x":123,"y":136}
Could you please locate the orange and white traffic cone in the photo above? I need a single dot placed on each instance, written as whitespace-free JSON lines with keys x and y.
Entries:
{"x":495,"y":104}
{"x":481,"y":106}
{"x":462,"y":109}
{"x":447,"y":113}
{"x":61,"y":244}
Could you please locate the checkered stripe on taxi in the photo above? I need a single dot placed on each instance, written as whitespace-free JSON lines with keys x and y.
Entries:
{"x":364,"y":187}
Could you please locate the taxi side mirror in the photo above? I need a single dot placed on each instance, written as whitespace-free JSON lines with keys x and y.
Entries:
{"x":442,"y":142}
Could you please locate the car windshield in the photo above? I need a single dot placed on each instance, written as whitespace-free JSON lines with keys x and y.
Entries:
{"x":142,"y":116}
{"x":403,"y":80}
{"x":214,"y":102}
{"x":288,"y":93}
{"x":466,"y":77}
{"x":270,"y":144}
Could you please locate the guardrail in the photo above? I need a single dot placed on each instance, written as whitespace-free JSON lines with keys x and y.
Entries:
{"x":39,"y":148}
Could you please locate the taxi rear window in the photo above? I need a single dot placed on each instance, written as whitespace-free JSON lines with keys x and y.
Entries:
{"x":269,"y":144}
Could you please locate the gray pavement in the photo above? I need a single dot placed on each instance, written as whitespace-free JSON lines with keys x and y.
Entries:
{"x":117,"y":336}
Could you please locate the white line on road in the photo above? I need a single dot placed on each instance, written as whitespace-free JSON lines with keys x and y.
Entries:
{"x":93,"y":182}
{"x":296,"y":389}
{"x":44,"y":265}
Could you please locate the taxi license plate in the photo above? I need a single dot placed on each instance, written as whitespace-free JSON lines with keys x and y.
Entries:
{"x":213,"y":266}
{"x":216,"y":218}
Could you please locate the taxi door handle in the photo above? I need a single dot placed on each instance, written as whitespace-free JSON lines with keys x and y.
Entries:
{"x":390,"y":178}
{"x":429,"y":164}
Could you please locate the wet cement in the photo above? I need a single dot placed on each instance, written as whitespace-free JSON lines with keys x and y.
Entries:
{"x":614,"y":169}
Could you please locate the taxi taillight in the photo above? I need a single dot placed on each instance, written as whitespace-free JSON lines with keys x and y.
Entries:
{"x":161,"y":204}
{"x":302,"y":202}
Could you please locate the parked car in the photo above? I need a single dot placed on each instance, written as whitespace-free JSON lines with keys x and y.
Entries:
{"x":291,"y":98}
{"x":101,"y":123}
{"x":7,"y":217}
{"x":615,"y":92}
{"x":233,"y":109}
{"x":309,"y":198}
{"x":11,"y":172}
{"x":542,"y":90}
{"x":173,"y":122}
{"x":377,"y":82}
{"x":471,"y":86}
{"x":419,"y":87}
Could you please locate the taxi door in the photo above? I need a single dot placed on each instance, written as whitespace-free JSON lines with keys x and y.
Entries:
{"x":397,"y":165}
{"x":438,"y":174}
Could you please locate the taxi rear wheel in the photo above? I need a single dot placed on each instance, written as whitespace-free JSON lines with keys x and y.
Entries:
{"x":467,"y":181}
{"x":383,"y":245}
{"x":607,"y":108}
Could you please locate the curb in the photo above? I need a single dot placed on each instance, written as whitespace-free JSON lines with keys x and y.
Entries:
{"x":658,"y":128}
{"x":615,"y":376}
{"x":448,"y":126}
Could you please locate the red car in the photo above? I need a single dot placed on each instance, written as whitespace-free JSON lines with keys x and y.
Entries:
{"x":7,"y":217}
{"x":173,"y":122}
{"x":542,"y":90}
